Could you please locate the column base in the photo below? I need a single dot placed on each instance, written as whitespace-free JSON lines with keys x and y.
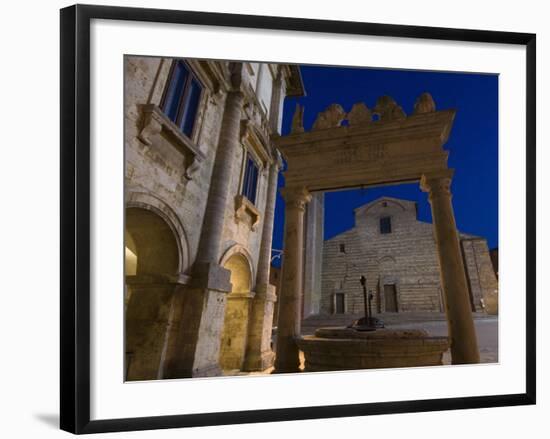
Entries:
{"x":288,"y":355}
{"x":213,"y":370}
{"x":286,"y":370}
{"x":259,"y":355}
{"x":258,"y":363}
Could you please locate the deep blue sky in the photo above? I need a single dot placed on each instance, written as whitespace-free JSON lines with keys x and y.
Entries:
{"x":473,"y":143}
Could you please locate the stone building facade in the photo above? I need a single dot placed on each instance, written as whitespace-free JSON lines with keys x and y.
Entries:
{"x":397,"y":254}
{"x":200,"y":184}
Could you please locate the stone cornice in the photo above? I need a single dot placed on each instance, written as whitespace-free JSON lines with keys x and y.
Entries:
{"x":256,"y":140}
{"x":213,"y":74}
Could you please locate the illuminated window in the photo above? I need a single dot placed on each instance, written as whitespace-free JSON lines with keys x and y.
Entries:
{"x":182,"y":97}
{"x":385,"y":225}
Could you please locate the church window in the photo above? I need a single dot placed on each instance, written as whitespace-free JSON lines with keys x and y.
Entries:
{"x":385,"y":225}
{"x":182,"y":97}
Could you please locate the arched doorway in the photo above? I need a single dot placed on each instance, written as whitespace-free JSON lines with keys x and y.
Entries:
{"x":237,"y":310}
{"x":151,"y":265}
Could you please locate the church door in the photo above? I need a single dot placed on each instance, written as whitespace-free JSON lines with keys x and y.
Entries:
{"x":340,"y":303}
{"x":390,"y":298}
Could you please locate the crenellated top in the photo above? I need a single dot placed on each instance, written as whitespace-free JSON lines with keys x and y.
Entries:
{"x":385,"y":110}
{"x":364,"y":146}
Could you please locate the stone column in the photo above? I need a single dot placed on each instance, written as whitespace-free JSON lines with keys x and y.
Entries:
{"x":197,"y":348}
{"x":228,"y":143}
{"x":259,"y":355}
{"x":453,"y":276}
{"x":289,"y":321}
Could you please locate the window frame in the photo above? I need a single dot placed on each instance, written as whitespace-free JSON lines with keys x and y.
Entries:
{"x":247,"y":154}
{"x":389,"y":224}
{"x":183,"y":96}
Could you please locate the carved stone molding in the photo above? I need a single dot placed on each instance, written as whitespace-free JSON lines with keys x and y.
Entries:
{"x":296,"y":197}
{"x":255,"y":140}
{"x":388,"y":109}
{"x":437,"y":184}
{"x":424,"y":104}
{"x":359,"y":115}
{"x":246,"y":212}
{"x":330,"y":118}
{"x":155,"y":123}
{"x":298,"y":120}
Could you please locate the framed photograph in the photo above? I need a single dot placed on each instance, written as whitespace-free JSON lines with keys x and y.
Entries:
{"x":268,"y":219}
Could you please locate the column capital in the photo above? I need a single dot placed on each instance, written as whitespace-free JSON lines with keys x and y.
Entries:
{"x":296,"y":197}
{"x":437,"y":183}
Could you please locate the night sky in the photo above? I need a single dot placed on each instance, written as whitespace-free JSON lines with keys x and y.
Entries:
{"x":473,"y":143}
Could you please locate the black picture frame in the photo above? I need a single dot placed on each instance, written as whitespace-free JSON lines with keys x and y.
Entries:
{"x":75,"y":217}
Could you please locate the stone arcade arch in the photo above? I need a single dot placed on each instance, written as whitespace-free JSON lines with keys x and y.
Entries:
{"x":237,"y":311}
{"x":391,"y":150}
{"x":152,"y":266}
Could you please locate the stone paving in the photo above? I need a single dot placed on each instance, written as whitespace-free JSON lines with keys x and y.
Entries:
{"x":486,"y":330}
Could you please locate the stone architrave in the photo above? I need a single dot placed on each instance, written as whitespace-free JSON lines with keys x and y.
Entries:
{"x":289,"y":320}
{"x":453,"y":276}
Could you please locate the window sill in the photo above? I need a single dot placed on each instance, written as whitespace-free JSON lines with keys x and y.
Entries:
{"x":155,"y":122}
{"x":246,"y":212}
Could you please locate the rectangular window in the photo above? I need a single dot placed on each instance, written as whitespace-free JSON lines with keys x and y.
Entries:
{"x":342,"y":248}
{"x":182,"y":97}
{"x":385,"y":225}
{"x":250,"y":183}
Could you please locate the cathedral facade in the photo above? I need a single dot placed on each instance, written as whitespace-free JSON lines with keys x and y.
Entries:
{"x":397,"y":254}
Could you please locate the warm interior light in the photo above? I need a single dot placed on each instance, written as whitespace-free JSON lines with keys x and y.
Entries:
{"x":130,"y":266}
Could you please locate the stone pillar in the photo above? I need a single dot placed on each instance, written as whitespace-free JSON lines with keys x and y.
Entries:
{"x":197,"y":348}
{"x":147,"y":319}
{"x":313,"y":258}
{"x":453,"y":276}
{"x":289,"y":321}
{"x":259,"y":355}
{"x":212,"y":229}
